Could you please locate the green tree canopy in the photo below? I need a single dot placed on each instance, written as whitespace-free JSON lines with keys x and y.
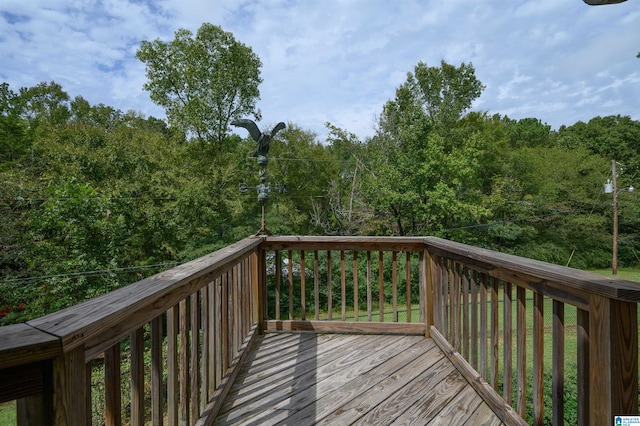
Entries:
{"x":444,"y":93}
{"x":202,"y":82}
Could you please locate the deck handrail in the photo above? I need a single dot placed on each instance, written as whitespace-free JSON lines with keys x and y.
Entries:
{"x":55,"y":351}
{"x":471,"y":332}
{"x":224,"y":296}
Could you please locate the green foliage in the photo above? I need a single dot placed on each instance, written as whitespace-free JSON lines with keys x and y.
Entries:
{"x":203,"y":82}
{"x":444,"y":92}
{"x":88,"y":192}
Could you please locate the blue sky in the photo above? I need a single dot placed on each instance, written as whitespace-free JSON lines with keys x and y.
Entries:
{"x":339,"y":61}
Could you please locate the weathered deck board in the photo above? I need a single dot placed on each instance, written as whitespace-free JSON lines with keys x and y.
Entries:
{"x":351,"y":379}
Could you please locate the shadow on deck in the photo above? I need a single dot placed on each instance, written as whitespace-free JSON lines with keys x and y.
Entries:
{"x":309,"y":378}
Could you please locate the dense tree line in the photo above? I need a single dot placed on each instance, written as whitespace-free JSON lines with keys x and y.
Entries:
{"x":93,"y":198}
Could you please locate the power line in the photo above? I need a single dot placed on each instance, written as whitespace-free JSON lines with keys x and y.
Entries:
{"x":312,"y":160}
{"x":89,"y":273}
{"x":499,"y":222}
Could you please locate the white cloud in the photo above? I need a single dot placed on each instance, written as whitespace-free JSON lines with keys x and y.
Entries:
{"x":341,"y":60}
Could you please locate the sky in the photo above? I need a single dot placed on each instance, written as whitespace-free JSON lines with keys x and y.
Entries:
{"x":339,"y":61}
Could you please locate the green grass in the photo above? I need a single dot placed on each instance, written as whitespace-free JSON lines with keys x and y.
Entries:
{"x":8,"y":413}
{"x":631,"y":274}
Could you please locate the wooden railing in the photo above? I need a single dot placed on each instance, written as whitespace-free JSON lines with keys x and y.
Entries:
{"x":178,"y":337}
{"x":330,"y":284}
{"x":500,"y":340}
{"x":191,"y":324}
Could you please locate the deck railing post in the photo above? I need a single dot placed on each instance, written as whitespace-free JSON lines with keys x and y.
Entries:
{"x":428,"y":274}
{"x":613,"y":358}
{"x":258,"y":286}
{"x":70,"y":387}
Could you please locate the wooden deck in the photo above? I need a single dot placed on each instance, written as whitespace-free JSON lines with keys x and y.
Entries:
{"x":308,"y":378}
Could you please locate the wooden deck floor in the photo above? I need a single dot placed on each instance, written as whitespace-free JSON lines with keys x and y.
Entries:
{"x":305,"y":379}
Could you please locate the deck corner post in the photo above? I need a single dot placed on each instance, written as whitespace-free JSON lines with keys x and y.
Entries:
{"x":613,"y":358}
{"x":427,"y":286}
{"x":70,"y":386}
{"x":259,"y":288}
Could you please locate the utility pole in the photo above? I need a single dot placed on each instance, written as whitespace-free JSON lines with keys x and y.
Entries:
{"x":614,"y":260}
{"x":611,"y":187}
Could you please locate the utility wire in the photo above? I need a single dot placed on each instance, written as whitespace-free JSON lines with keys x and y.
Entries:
{"x":90,"y":273}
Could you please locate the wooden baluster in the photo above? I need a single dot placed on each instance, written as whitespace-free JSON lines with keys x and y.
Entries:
{"x":394,"y":284}
{"x":508,"y":343}
{"x":407,"y":268}
{"x":195,"y":351}
{"x":290,"y":276}
{"x":495,"y":333}
{"x":211,"y":339}
{"x":369,"y":296}
{"x":157,"y":411}
{"x":521,"y":352}
{"x":483,"y":326}
{"x":538,"y":357}
{"x":583,"y":371}
{"x":474,"y":319}
{"x":343,"y":286}
{"x":446,"y":301}
{"x":457,"y":308}
{"x":355,"y":286}
{"x":246,"y":291}
{"x":278,"y":275}
{"x":381,"y":285}
{"x":184,"y":362}
{"x":464,"y":275}
{"x":136,"y":340}
{"x":427,"y":290}
{"x":224,"y":341}
{"x":558,"y":364}
{"x":205,"y":353}
{"x":329,"y":287}
{"x":303,"y":286}
{"x":113,"y":389}
{"x":235,"y":304}
{"x":218,"y":342}
{"x":316,"y":288}
{"x":172,"y":366}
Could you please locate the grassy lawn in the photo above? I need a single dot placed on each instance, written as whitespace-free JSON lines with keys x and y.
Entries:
{"x":8,"y":413}
{"x":631,"y":274}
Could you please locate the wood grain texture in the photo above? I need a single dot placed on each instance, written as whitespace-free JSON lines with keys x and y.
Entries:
{"x":23,"y":344}
{"x":107,"y":319}
{"x":493,"y":399}
{"x":22,"y":381}
{"x":568,"y":281}
{"x":213,"y":406}
{"x":346,"y":327}
{"x":344,"y":243}
{"x":347,"y":379}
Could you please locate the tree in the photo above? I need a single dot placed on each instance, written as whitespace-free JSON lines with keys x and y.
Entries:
{"x":425,"y":172}
{"x":444,"y":92}
{"x":613,"y":137}
{"x":14,"y":144}
{"x":45,"y":104}
{"x":203,"y":82}
{"x":528,"y":132}
{"x":344,"y":210}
